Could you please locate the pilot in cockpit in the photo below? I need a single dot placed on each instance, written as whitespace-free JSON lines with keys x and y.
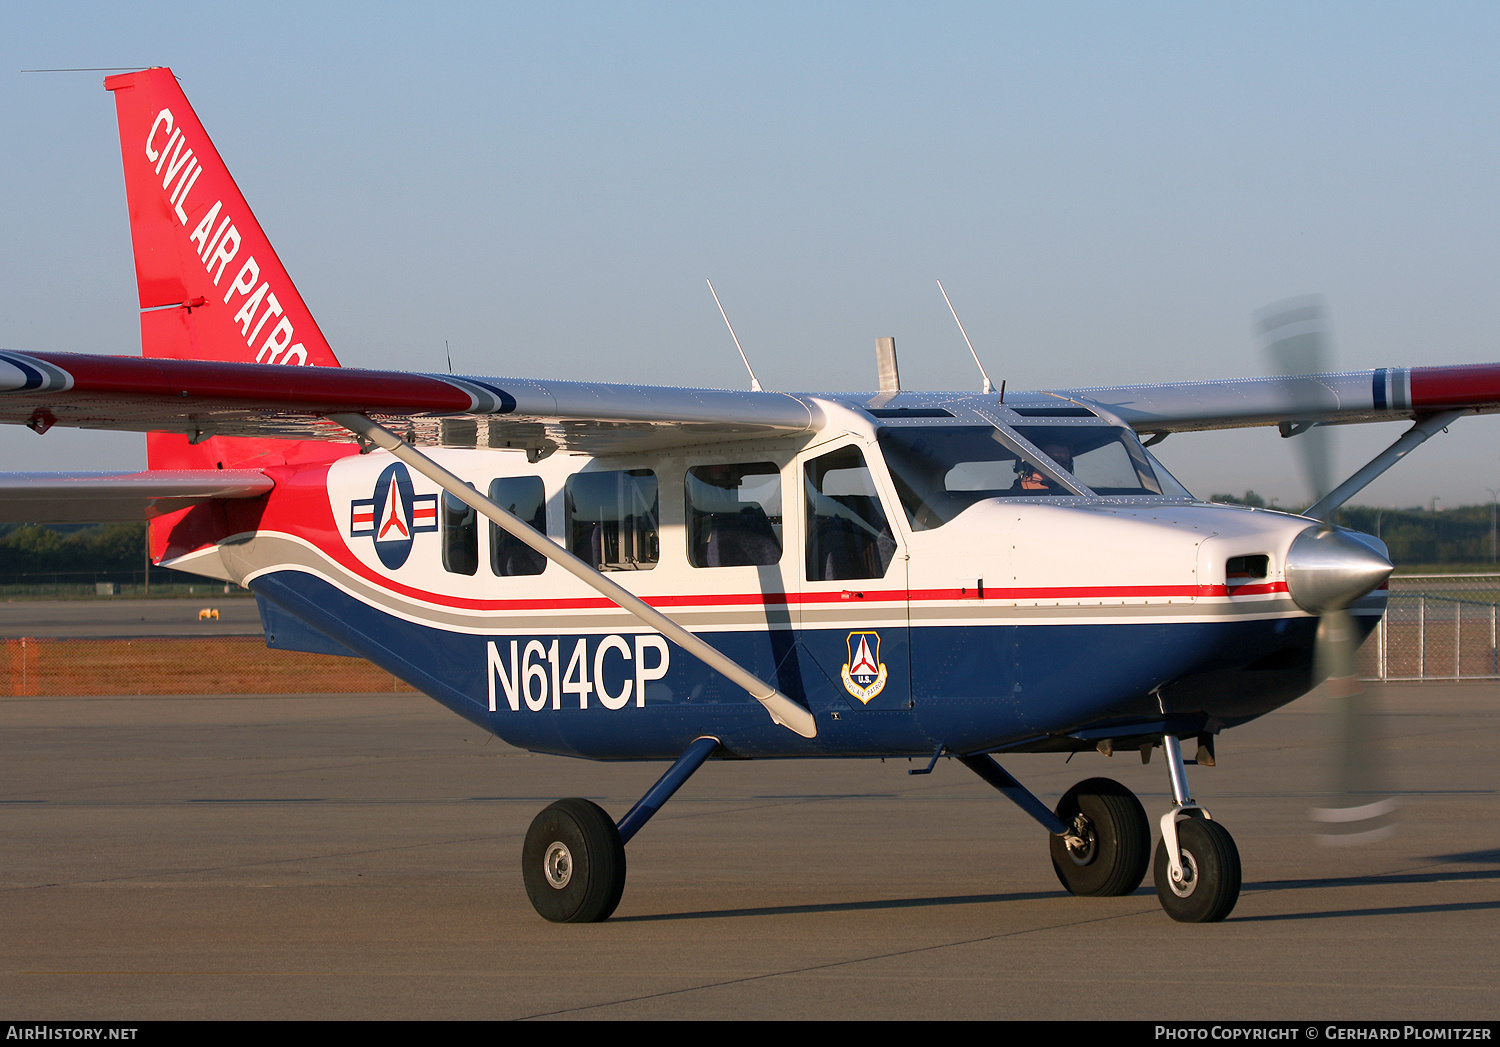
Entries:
{"x":1033,"y":479}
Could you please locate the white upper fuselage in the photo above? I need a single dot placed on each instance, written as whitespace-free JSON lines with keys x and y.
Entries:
{"x":1027,"y":558}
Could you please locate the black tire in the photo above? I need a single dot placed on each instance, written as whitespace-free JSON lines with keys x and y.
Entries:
{"x":573,"y":863}
{"x":1117,"y":834}
{"x":1211,"y":873}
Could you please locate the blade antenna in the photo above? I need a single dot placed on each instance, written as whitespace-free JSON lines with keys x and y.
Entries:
{"x":754,"y":381}
{"x":988,"y":387}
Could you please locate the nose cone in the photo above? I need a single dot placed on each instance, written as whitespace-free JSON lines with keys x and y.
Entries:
{"x":1327,"y":570}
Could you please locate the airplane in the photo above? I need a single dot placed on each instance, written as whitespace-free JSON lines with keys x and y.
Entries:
{"x":623,"y":572}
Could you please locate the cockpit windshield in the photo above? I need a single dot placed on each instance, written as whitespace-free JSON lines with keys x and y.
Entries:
{"x":940,"y":471}
{"x":1107,"y":460}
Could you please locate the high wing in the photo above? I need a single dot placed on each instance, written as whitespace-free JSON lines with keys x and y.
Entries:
{"x":1383,"y":394}
{"x":205,"y":399}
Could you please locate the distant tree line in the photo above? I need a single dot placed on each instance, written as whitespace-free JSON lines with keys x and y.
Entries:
{"x":1415,"y":536}
{"x":27,"y":549}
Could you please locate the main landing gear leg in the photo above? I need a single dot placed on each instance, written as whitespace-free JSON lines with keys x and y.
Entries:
{"x":1101,"y":838}
{"x":1197,"y":868}
{"x":573,"y":861}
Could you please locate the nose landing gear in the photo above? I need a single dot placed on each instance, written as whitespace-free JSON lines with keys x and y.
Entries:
{"x":1101,"y":841}
{"x":1197,"y":867}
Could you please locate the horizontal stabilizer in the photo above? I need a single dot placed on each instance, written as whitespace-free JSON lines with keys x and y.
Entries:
{"x":113,"y":497}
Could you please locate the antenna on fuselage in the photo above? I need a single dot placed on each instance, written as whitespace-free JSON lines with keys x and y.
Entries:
{"x":754,"y":381}
{"x":988,"y":387}
{"x":885,"y":364}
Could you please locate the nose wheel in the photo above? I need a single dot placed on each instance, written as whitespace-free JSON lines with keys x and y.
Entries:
{"x":1208,"y":883}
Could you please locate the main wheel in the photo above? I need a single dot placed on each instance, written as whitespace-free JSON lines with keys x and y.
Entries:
{"x":1210,"y":882}
{"x":574,"y":863}
{"x":1116,"y":839}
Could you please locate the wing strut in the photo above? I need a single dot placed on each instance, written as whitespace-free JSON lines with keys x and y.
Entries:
{"x":1407,"y":442}
{"x":783,"y":710}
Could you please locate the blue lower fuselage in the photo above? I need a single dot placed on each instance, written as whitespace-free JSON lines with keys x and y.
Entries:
{"x":990,"y":687}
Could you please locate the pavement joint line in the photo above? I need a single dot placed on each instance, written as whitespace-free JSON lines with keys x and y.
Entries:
{"x":895,"y":954}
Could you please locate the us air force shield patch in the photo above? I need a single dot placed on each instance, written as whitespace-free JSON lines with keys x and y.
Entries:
{"x":864,"y":673}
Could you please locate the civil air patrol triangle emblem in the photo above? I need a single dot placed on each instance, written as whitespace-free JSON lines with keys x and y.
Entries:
{"x":864,"y":673}
{"x":393,"y":516}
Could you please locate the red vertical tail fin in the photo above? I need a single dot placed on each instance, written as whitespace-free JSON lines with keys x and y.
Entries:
{"x":211,"y":285}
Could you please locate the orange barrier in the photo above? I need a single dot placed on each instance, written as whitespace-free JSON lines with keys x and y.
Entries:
{"x":182,"y":665}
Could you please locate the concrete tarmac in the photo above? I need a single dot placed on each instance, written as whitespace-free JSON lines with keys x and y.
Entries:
{"x":358,"y":857}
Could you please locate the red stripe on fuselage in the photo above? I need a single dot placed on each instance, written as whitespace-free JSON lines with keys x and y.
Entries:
{"x":300,"y":507}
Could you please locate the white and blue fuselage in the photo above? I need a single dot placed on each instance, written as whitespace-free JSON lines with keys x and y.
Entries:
{"x":930,"y":574}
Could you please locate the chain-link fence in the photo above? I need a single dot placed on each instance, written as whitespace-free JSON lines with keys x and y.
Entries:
{"x":1437,"y":627}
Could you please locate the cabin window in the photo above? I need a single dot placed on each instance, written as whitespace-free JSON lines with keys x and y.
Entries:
{"x":612,"y":519}
{"x":524,"y":497}
{"x":734,"y":515}
{"x":460,"y":536}
{"x":847,"y":532}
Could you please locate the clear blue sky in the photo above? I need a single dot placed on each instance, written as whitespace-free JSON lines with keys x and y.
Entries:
{"x":1107,"y":190}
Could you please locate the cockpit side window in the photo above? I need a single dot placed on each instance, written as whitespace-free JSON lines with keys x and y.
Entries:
{"x":734,"y":515}
{"x":848,"y":535}
{"x":940,"y":471}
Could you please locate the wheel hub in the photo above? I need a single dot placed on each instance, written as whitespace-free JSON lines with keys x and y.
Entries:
{"x":558,"y":865}
{"x":1185,"y":886}
{"x":1083,"y":842}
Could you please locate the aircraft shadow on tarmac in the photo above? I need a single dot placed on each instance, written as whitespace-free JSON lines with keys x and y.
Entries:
{"x":832,"y":907}
{"x":1487,"y":857}
{"x":1490,"y":857}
